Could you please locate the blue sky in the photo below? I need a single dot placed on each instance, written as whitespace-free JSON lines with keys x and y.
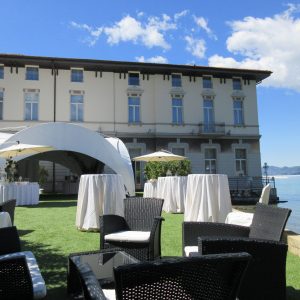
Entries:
{"x":254,"y":34}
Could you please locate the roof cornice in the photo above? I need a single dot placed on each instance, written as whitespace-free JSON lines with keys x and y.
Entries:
{"x":17,"y":60}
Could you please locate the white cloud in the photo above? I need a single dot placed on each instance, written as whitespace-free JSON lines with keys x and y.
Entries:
{"x":155,"y":59}
{"x":150,"y":34}
{"x":181,"y":14}
{"x":94,"y":32}
{"x":195,"y":46}
{"x":203,"y":24}
{"x":270,"y":43}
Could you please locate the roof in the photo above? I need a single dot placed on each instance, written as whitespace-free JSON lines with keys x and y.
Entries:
{"x":17,"y":60}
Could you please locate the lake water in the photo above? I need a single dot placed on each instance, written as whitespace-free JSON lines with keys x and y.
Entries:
{"x":288,"y":189}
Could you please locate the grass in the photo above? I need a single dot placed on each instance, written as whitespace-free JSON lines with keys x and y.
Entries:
{"x":48,"y":230}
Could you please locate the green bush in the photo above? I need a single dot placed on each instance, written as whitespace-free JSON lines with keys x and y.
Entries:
{"x":156,"y":169}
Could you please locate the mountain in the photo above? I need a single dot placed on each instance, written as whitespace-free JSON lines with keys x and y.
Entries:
{"x":272,"y":170}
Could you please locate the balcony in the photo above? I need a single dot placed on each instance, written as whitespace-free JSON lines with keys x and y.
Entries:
{"x":212,"y":128}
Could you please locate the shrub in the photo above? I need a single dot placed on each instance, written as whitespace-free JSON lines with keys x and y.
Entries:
{"x":156,"y":169}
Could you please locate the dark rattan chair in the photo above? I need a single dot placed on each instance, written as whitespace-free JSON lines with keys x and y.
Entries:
{"x":9,"y":206}
{"x":265,"y":276}
{"x":141,"y":215}
{"x":17,"y":280}
{"x":211,"y":277}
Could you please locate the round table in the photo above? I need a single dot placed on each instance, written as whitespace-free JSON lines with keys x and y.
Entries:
{"x":150,"y":189}
{"x":26,"y":193}
{"x":172,"y":189}
{"x":207,"y":198}
{"x":98,"y":195}
{"x":5,"y":220}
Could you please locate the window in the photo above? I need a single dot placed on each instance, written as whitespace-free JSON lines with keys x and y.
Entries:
{"x":236,"y":84}
{"x":134,"y":110}
{"x":207,"y":82}
{"x":76,"y":75}
{"x":134,"y":79}
{"x":240,"y":161}
{"x":77,"y":108}
{"x":178,"y":151}
{"x":238,"y":113}
{"x":31,"y":106}
{"x":1,"y":104}
{"x":32,"y":73}
{"x":176,"y":80}
{"x":177,"y":111}
{"x":1,"y":72}
{"x":137,"y":166}
{"x":209,"y":119}
{"x":210,"y":159}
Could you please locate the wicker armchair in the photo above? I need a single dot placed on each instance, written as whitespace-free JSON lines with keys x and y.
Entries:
{"x":210,"y":277}
{"x":9,"y":206}
{"x":265,"y":276}
{"x":139,"y":232}
{"x":20,"y":277}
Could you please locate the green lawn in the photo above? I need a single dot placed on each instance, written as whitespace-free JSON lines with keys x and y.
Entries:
{"x":48,"y":230}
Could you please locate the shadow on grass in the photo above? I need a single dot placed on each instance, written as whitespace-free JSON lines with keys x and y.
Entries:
{"x":55,"y":203}
{"x":24,"y":232}
{"x":292,"y":293}
{"x":53,"y":266}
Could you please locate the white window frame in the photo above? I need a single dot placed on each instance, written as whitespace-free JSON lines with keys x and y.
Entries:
{"x":210,"y":160}
{"x":77,"y":105}
{"x":238,"y":113}
{"x":208,"y":125}
{"x":136,"y":110}
{"x":211,"y":80}
{"x":241,"y":84}
{"x":139,"y":79}
{"x":77,"y":69}
{"x":179,"y":110}
{"x":33,"y":67}
{"x":2,"y":72}
{"x":239,"y":161}
{"x":179,"y":80}
{"x":31,"y":104}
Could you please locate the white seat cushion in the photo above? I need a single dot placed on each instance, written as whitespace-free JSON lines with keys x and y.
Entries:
{"x":39,"y":286}
{"x":129,"y":236}
{"x":190,"y":249}
{"x":109,"y":294}
{"x":239,"y":218}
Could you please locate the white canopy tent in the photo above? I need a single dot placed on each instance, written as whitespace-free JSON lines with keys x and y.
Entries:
{"x":74,"y":138}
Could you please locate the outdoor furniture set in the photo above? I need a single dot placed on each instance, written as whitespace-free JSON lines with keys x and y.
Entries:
{"x":214,"y":263}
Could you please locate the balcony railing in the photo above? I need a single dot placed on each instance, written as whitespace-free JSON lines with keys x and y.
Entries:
{"x":212,"y":128}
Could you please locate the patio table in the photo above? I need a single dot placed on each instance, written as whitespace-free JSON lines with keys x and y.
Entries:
{"x":207,"y":198}
{"x":25,"y":193}
{"x":99,"y":194}
{"x":101,"y":262}
{"x":172,"y":189}
{"x":150,"y":189}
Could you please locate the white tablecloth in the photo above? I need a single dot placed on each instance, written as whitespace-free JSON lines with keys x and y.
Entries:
{"x":150,"y":189}
{"x":239,"y":218}
{"x":172,"y":189}
{"x":99,"y":195}
{"x":5,"y":220}
{"x":26,"y":193}
{"x":207,"y":198}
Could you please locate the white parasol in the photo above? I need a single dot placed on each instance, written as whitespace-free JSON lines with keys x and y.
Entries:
{"x":161,"y":155}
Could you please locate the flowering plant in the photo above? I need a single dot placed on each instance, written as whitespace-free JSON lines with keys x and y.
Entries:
{"x":11,"y":169}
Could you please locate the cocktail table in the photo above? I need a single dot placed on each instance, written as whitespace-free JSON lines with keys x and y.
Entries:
{"x":101,"y":262}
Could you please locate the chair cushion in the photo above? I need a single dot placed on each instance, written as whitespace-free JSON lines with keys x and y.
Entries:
{"x":129,"y":236}
{"x":190,"y":249}
{"x":109,"y":294}
{"x":239,"y":218}
{"x":39,"y":286}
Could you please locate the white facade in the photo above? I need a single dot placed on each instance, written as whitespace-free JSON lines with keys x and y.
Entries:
{"x":105,"y":96}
